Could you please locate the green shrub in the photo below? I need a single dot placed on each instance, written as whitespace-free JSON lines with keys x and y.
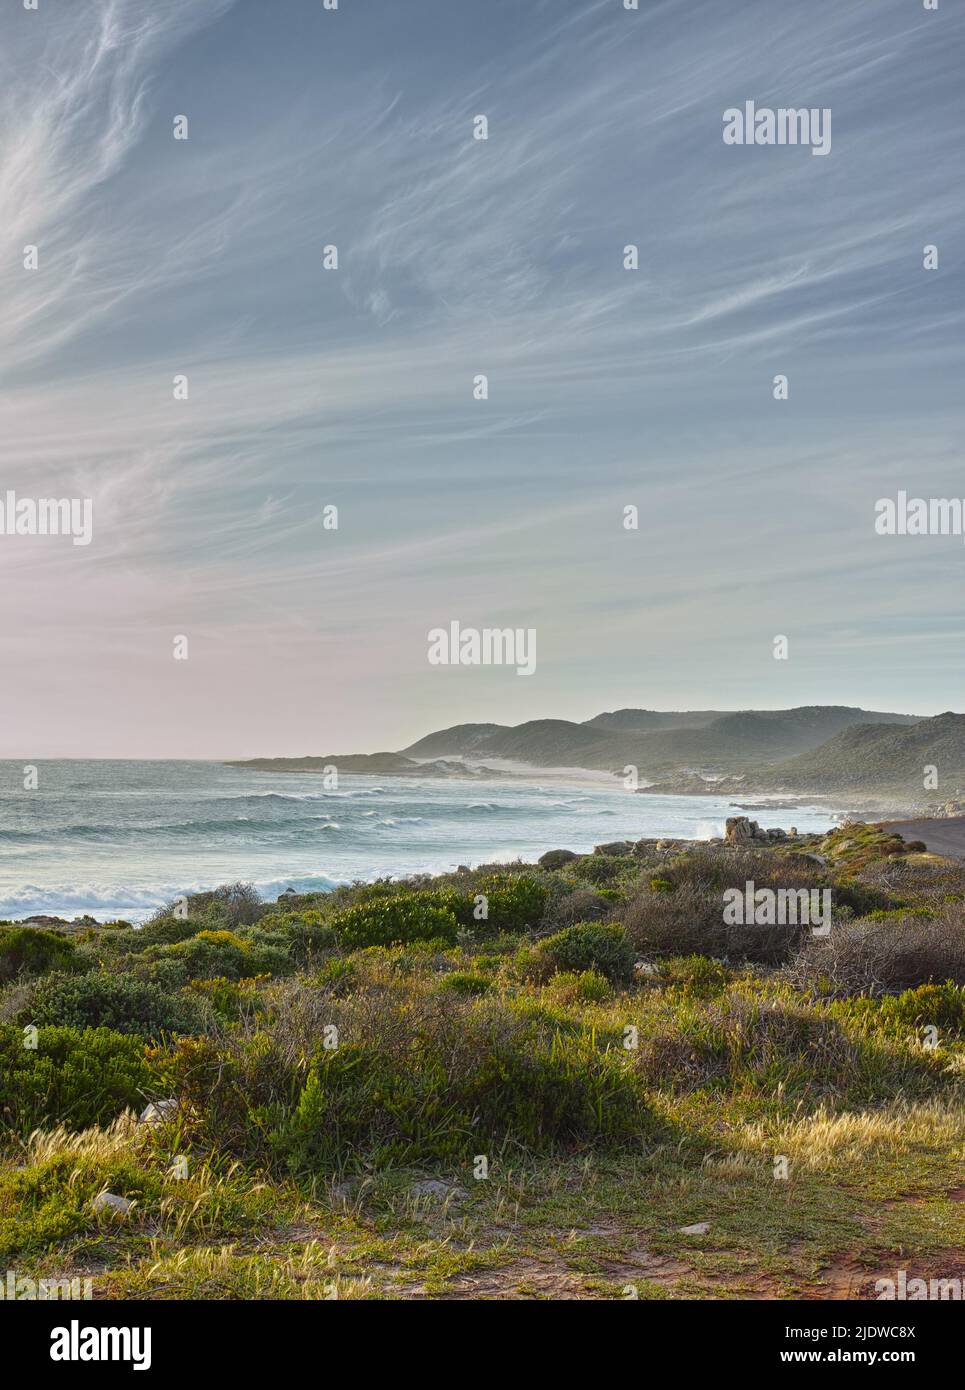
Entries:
{"x":227,"y":998}
{"x":32,"y":951}
{"x":937,"y":1006}
{"x":602,"y":870}
{"x":697,"y":977}
{"x":305,"y":934}
{"x":746,"y":1042}
{"x":166,"y":931}
{"x":515,"y":902}
{"x":119,"y":1002}
{"x":579,"y":987}
{"x":558,"y":1096}
{"x":338,"y":974}
{"x":364,"y":1107}
{"x":358,"y":1102}
{"x":465,"y":982}
{"x":76,"y":1077}
{"x":212,"y":955}
{"x":600,"y":946}
{"x":395,"y":922}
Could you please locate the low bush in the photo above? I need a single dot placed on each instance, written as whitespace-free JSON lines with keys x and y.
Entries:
{"x":600,"y":946}
{"x":884,"y":955}
{"x":928,"y":1006}
{"x":578,"y":987}
{"x":577,"y":905}
{"x":213,"y":954}
{"x":603,"y":870}
{"x":466,"y":982}
{"x":305,"y":934}
{"x":32,"y":951}
{"x":394,"y":922}
{"x":119,"y":1002}
{"x":696,"y":977}
{"x":76,"y":1077}
{"x":741,"y":1041}
{"x":416,"y":1078}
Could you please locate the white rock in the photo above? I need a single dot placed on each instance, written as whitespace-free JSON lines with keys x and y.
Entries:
{"x":158,"y":1111}
{"x":700,"y":1229}
{"x":109,"y":1201}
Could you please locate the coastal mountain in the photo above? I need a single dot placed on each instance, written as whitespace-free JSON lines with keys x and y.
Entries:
{"x":882,"y":758}
{"x":713,"y":741}
{"x":808,"y":748}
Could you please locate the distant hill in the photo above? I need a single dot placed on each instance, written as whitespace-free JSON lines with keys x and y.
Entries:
{"x":713,"y":741}
{"x":646,"y":720}
{"x":362,"y":764}
{"x":545,"y":742}
{"x":882,"y":758}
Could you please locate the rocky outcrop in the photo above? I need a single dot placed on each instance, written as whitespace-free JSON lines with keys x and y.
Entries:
{"x":741,"y":830}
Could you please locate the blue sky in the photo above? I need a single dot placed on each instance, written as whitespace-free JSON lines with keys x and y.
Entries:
{"x":353,"y":387}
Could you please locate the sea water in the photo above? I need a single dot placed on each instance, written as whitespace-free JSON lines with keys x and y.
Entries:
{"x":113,"y":838}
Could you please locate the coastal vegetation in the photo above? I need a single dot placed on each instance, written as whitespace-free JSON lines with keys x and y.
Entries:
{"x":564,"y":1079}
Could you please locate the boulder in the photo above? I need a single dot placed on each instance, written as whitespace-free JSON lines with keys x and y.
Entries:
{"x":740,"y":830}
{"x":556,"y":858}
{"x":616,"y":849}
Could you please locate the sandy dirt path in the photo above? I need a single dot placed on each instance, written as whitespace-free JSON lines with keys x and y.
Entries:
{"x":940,"y":836}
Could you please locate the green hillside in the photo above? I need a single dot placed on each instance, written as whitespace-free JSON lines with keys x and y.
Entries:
{"x":730,"y":742}
{"x":883,"y":758}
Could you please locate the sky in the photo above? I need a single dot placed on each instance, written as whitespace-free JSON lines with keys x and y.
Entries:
{"x":311,"y":388}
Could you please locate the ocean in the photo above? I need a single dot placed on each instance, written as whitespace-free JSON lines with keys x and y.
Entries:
{"x":118,"y":839}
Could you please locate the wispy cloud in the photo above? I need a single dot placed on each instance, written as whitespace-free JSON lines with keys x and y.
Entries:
{"x":459,"y":257}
